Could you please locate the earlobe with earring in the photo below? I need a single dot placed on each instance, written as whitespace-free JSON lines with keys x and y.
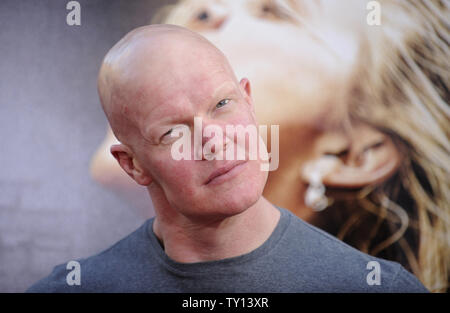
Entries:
{"x":314,"y":172}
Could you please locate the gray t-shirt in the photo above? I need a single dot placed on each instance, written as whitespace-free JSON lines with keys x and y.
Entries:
{"x":297,"y":257}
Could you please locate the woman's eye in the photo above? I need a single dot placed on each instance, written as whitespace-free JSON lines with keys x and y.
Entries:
{"x":270,"y":11}
{"x":222,"y":103}
{"x":266,"y":8}
{"x":203,"y":16}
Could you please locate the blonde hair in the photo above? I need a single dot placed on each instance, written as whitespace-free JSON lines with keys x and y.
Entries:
{"x":403,"y":91}
{"x":401,"y":88}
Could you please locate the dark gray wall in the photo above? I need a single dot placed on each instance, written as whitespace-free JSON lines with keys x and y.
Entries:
{"x":51,"y":122}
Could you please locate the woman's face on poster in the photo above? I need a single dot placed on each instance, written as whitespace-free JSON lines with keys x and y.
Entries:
{"x":300,"y":65}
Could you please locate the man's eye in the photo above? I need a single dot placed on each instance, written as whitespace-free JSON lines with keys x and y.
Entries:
{"x":166,"y":138}
{"x":174,"y":133}
{"x":222,"y":103}
{"x":168,"y":132}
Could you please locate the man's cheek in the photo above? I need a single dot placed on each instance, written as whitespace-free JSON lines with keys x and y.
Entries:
{"x":242,"y":116}
{"x":244,"y":119}
{"x":179,"y":173}
{"x":182,"y":182}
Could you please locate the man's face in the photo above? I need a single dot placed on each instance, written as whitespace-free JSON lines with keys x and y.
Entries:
{"x":196,"y":86}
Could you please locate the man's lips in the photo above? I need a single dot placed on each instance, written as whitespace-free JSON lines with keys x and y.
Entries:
{"x":221,"y":171}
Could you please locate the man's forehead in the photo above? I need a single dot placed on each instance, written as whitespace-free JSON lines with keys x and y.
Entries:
{"x":175,"y":72}
{"x":185,"y":75}
{"x":183,"y":101}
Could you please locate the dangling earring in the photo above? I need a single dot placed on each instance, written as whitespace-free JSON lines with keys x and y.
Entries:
{"x":314,"y":172}
{"x":315,"y":196}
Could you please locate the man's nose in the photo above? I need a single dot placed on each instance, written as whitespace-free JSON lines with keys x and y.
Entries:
{"x":213,"y":138}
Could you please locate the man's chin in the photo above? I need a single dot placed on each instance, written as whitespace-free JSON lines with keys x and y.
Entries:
{"x":238,"y":202}
{"x":224,"y":206}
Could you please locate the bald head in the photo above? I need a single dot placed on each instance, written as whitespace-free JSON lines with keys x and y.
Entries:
{"x":144,"y":64}
{"x":158,"y":78}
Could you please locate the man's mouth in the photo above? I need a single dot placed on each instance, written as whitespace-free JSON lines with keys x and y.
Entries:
{"x":225,"y":172}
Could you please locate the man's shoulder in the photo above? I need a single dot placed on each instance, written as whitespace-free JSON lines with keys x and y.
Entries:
{"x":334,"y":263}
{"x":99,"y":272}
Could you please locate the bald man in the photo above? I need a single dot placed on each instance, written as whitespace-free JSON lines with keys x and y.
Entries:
{"x":213,"y":231}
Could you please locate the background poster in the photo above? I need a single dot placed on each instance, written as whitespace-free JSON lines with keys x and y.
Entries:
{"x":362,"y":82}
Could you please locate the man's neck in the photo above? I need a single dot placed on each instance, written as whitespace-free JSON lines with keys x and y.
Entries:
{"x":191,"y":242}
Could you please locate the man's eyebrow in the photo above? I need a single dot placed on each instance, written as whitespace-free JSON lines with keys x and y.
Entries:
{"x":152,"y":126}
{"x":150,"y":130}
{"x":225,"y":87}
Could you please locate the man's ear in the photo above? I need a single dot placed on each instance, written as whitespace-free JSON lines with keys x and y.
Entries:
{"x":367,"y":157}
{"x":129,"y":164}
{"x":244,"y":84}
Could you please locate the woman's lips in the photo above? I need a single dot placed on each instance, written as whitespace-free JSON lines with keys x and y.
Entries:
{"x":225,"y":172}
